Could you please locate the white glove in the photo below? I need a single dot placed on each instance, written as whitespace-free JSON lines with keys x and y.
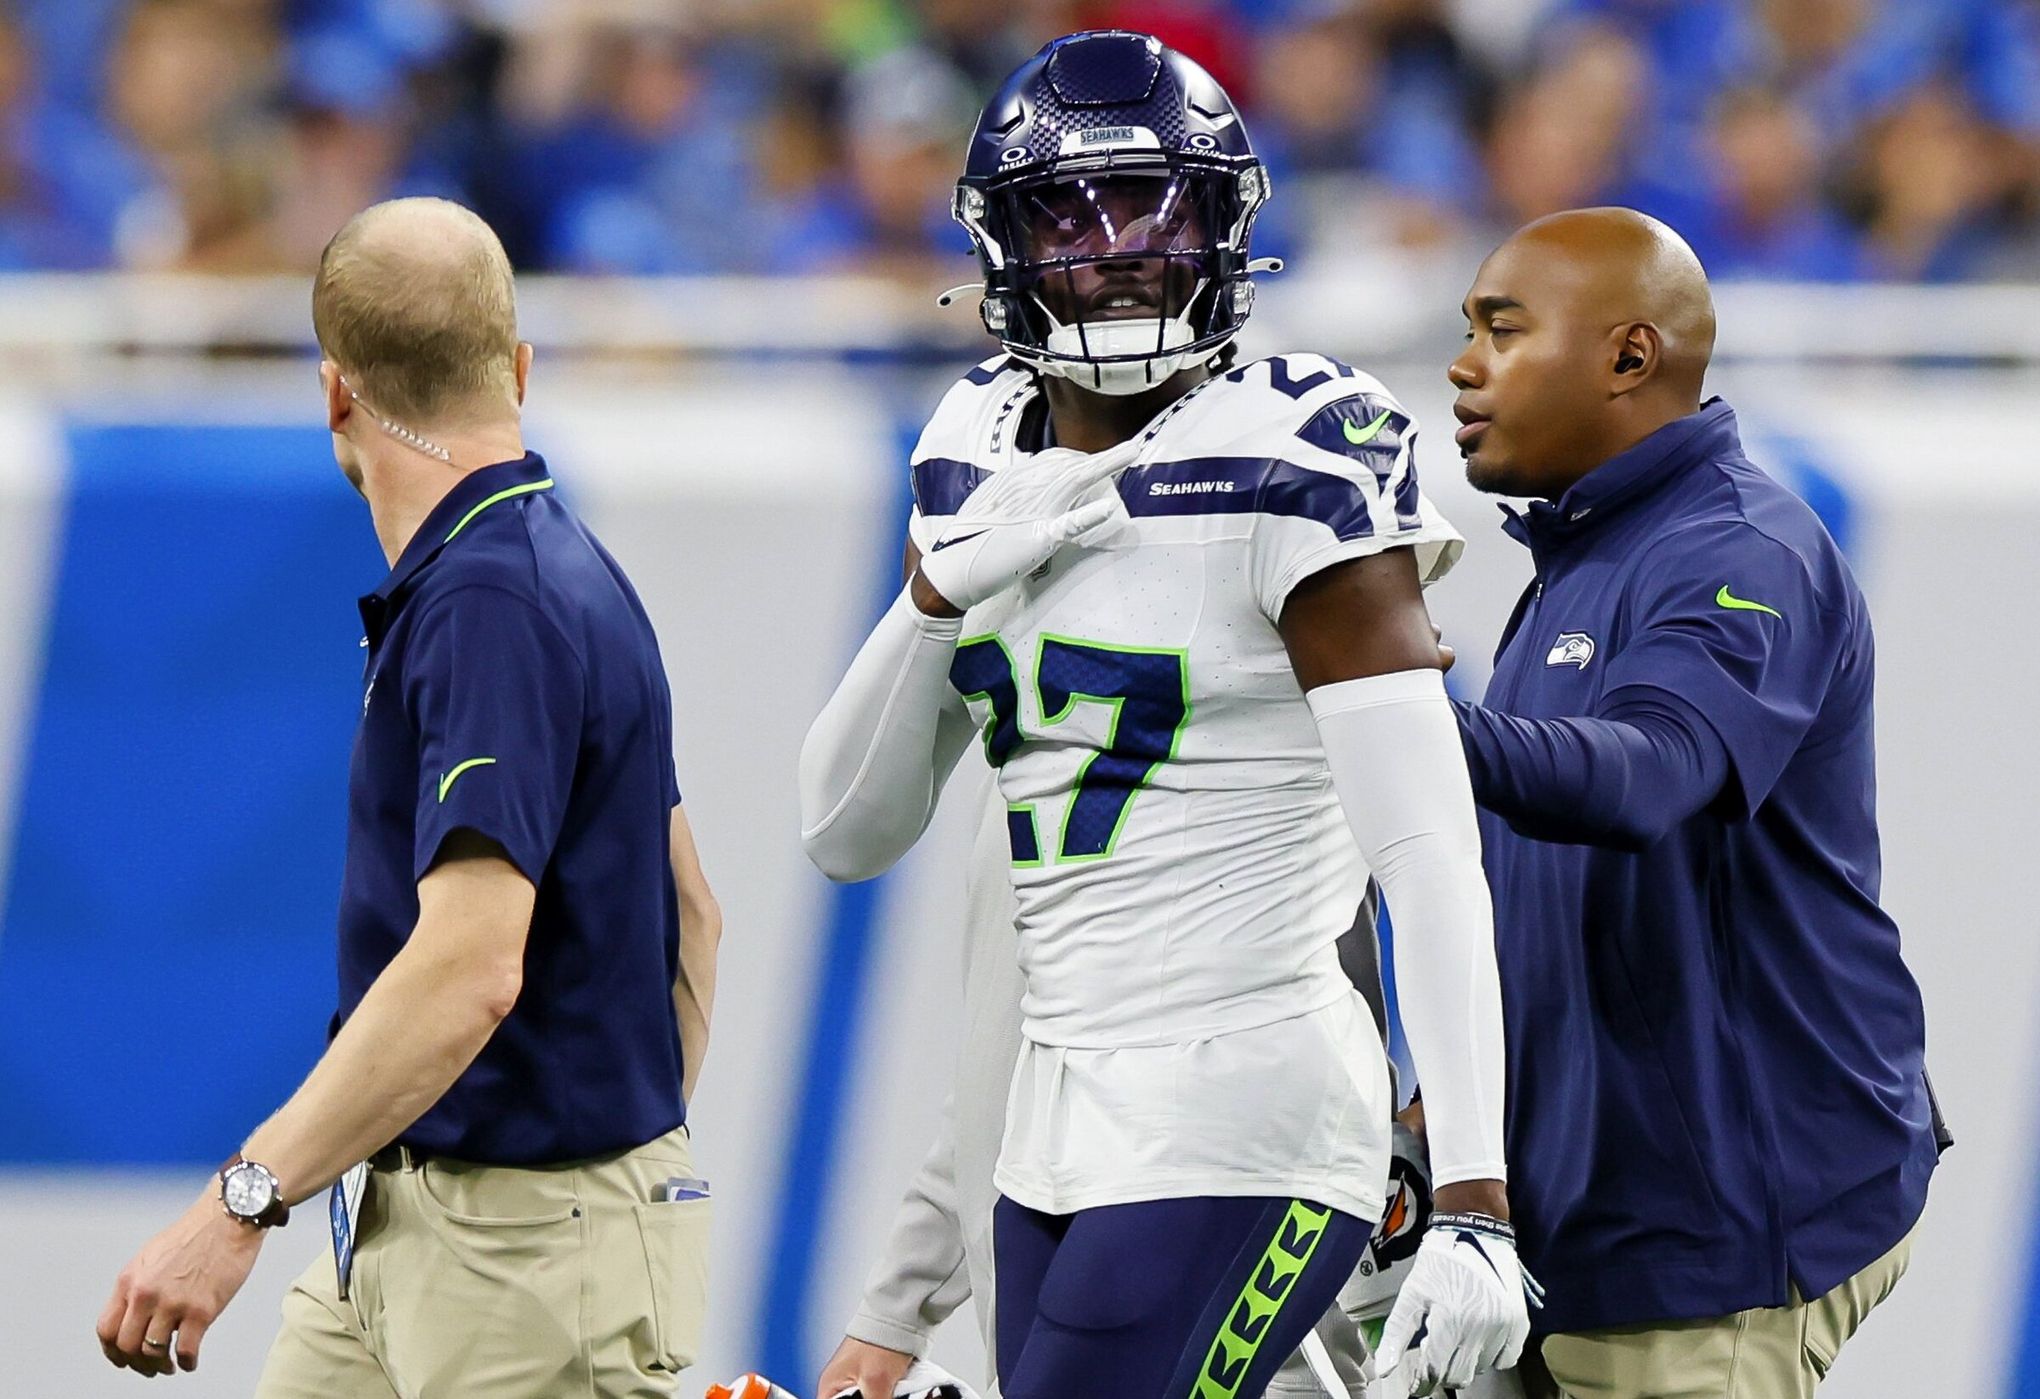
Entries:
{"x":923,"y":1380}
{"x":1012,"y":523}
{"x":1469,"y":1296}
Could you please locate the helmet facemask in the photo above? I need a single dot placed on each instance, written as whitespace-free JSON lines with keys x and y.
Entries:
{"x":1113,"y":272}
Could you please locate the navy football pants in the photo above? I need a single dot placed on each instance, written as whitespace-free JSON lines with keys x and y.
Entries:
{"x":1199,"y":1298}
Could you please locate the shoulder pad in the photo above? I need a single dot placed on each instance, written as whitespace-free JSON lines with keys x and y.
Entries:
{"x":1308,"y":409}
{"x":959,"y":426}
{"x":1296,"y":435}
{"x":968,"y":435}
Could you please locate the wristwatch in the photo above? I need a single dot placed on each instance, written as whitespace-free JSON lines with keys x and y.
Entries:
{"x":251,"y":1194}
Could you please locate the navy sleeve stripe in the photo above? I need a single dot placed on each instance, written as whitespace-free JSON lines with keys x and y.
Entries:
{"x":1248,"y":485}
{"x":1196,"y":486}
{"x":985,"y":373}
{"x":942,"y":484}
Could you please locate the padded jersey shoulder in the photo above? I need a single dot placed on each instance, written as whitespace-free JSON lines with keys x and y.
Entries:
{"x":1299,"y":435}
{"x":970,"y":433}
{"x":1307,"y":409}
{"x":1299,"y":415}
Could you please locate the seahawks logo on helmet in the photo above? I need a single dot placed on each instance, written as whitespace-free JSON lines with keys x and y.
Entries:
{"x":1110,"y":193}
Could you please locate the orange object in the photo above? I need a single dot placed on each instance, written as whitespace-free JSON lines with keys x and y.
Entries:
{"x":747,"y":1387}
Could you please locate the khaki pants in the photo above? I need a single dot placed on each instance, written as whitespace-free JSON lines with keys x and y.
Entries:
{"x":1764,"y":1353}
{"x":470,"y":1281}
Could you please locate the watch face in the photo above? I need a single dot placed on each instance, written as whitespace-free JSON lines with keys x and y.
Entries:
{"x":247,"y":1190}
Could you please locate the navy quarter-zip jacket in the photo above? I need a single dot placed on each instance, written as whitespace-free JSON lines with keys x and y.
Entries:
{"x":1716,"y":1081}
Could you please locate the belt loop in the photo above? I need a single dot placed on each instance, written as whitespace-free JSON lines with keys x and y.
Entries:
{"x":398,"y":1157}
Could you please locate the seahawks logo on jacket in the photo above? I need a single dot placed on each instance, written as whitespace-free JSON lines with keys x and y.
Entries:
{"x":1573,"y":648}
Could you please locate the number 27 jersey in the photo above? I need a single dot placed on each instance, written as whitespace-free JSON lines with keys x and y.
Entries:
{"x":1180,"y":863}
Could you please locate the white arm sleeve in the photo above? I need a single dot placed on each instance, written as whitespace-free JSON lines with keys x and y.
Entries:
{"x":1401,"y":776}
{"x":921,"y":1277}
{"x":876,"y":757}
{"x":939,"y":1253}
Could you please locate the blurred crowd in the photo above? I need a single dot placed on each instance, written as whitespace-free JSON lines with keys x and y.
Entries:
{"x":1808,"y":139}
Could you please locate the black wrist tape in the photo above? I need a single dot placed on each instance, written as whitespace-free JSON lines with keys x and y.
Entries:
{"x":1477,"y":1223}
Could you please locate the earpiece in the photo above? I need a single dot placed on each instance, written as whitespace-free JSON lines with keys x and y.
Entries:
{"x":1628,"y":364}
{"x":398,"y":430}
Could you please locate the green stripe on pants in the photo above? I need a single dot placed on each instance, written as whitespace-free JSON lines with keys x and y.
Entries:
{"x":1268,"y":1286}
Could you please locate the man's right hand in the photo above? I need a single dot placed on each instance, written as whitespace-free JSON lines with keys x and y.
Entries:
{"x":873,"y":1371}
{"x":1017,"y":519}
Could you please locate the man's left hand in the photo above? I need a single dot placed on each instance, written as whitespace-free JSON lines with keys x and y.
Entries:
{"x":1466,"y":1299}
{"x":172,"y":1290}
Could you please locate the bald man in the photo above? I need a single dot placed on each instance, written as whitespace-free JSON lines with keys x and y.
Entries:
{"x":1719,"y":1127}
{"x":526,"y":940}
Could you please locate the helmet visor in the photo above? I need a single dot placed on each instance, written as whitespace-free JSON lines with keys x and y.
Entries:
{"x":1107,"y":215}
{"x":1103,"y":246}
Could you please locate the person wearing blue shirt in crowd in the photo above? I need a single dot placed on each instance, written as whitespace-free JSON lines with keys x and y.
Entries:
{"x":526,"y":940}
{"x":1883,"y":120}
{"x":1756,"y":207}
{"x":1719,"y":1125}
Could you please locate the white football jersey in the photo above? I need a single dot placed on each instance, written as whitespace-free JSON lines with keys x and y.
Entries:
{"x":1181,"y":863}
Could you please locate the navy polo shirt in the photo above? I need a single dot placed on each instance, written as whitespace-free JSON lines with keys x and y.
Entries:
{"x":514,"y":689}
{"x":1715,"y":1053}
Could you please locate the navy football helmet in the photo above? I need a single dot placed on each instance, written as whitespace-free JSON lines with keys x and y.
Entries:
{"x":1110,"y":192}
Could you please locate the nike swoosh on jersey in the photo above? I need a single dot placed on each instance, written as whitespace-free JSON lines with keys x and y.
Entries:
{"x":942,"y":544}
{"x":1733,"y":603}
{"x":1361,"y":436}
{"x":447,"y":780}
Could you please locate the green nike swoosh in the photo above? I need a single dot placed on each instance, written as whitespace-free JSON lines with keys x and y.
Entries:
{"x":1361,"y":436}
{"x":1736,"y":604}
{"x":447,"y":780}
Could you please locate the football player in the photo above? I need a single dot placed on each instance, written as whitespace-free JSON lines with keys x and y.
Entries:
{"x":1181,"y":598}
{"x":939,"y":1252}
{"x":939,"y":1255}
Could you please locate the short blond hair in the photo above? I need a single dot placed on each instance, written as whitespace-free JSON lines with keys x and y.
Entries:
{"x":415,"y":302}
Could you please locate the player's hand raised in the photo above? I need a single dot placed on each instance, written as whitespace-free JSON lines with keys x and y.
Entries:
{"x":1013,"y":523}
{"x":1468,"y":1296}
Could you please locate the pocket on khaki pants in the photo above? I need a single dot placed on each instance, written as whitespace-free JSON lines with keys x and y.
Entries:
{"x":480,"y":1279}
{"x":675,"y":1238}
